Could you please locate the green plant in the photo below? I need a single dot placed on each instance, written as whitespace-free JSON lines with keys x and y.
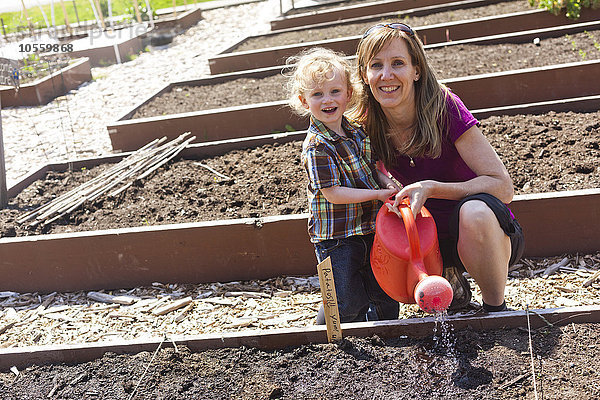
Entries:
{"x":573,"y":43}
{"x":582,"y":54}
{"x":591,"y":36}
{"x":143,"y":12}
{"x":573,"y":7}
{"x":31,"y":66}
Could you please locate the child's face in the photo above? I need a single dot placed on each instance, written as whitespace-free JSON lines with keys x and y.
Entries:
{"x":327,"y":102}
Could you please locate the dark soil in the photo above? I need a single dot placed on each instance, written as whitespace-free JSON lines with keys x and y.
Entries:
{"x":543,"y":153}
{"x":556,"y":151}
{"x":324,"y":5}
{"x":465,"y":365}
{"x":354,"y":29}
{"x":449,"y":62}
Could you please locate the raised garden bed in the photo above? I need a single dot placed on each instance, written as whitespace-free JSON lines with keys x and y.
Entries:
{"x":450,"y":60}
{"x":230,"y":61}
{"x":494,"y":90}
{"x":546,"y":153}
{"x":417,"y":17}
{"x":482,"y":358}
{"x":330,"y":13}
{"x":44,"y":90}
{"x":318,"y":6}
{"x":109,"y":47}
{"x":179,"y":23}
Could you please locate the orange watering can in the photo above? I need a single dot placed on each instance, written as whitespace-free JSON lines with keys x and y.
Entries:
{"x":406,"y":259}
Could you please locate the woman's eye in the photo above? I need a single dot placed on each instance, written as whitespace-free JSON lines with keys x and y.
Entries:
{"x":376,"y":65}
{"x":398,"y":62}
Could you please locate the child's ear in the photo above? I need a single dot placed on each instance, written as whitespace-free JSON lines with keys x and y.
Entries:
{"x":303,"y":101}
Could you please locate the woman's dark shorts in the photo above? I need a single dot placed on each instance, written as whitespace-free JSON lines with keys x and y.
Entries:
{"x":510,"y":226}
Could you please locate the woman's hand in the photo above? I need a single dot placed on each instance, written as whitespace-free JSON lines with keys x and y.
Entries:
{"x":417,"y":194}
{"x":384,"y":194}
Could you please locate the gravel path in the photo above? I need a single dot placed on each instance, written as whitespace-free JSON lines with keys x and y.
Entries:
{"x":74,"y":126}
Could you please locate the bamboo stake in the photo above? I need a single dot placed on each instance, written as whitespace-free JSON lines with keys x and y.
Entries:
{"x":110,"y":15}
{"x":138,"y":16}
{"x":174,"y":8}
{"x":220,"y":175}
{"x":149,"y":12}
{"x":95,"y":12}
{"x":62,"y":4}
{"x":52,"y":17}
{"x":169,"y":156}
{"x":135,"y":167}
{"x":27,"y":16}
{"x":63,"y":198}
{"x":100,"y":14}
{"x":76,"y":14}
{"x":105,"y":175}
{"x":43,"y":15}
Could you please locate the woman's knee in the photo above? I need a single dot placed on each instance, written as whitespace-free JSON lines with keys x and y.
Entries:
{"x":477,"y":218}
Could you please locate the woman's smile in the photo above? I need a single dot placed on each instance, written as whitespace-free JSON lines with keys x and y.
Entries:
{"x":391,"y":75}
{"x":389,"y":89}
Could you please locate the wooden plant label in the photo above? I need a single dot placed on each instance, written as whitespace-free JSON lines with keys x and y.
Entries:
{"x":7,"y":71}
{"x":330,"y":305}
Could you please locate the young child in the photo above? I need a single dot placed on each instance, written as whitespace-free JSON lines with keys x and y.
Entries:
{"x":345,"y":188}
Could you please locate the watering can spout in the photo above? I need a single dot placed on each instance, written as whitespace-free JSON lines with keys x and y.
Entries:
{"x":406,"y":259}
{"x":433,"y":294}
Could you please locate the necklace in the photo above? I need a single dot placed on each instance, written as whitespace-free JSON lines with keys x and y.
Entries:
{"x":395,"y":139}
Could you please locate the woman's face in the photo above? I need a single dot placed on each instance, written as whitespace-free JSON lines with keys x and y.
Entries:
{"x":391,"y":75}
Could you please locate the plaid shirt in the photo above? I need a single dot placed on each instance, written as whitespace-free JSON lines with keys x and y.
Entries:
{"x":332,"y":160}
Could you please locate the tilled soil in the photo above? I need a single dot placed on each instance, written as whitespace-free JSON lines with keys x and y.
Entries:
{"x":543,"y":153}
{"x":457,"y":365}
{"x":324,"y":5}
{"x":355,"y":29}
{"x":449,"y":62}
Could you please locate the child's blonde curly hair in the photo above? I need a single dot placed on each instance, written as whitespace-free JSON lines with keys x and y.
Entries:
{"x":312,"y":68}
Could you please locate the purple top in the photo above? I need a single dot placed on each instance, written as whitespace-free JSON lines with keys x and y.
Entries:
{"x":449,"y":167}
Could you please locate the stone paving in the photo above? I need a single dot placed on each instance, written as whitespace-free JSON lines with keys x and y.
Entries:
{"x":74,"y":126}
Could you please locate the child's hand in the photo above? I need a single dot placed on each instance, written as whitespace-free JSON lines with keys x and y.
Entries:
{"x":384,"y":194}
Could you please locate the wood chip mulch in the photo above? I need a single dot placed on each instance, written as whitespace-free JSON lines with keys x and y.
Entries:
{"x":29,"y":319}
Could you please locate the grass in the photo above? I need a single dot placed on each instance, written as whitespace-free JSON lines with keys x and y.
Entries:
{"x":82,"y":10}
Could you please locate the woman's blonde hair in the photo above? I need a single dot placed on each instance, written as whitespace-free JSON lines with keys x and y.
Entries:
{"x":430,"y":100}
{"x":312,"y":68}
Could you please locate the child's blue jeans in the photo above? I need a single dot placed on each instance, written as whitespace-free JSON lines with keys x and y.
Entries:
{"x":359,"y":296}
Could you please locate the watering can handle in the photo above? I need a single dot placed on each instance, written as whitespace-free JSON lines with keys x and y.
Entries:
{"x":410,"y":226}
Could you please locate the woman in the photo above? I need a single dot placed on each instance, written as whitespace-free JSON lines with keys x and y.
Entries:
{"x":428,"y":140}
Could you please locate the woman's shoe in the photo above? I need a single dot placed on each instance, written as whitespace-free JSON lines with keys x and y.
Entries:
{"x":460,"y":288}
